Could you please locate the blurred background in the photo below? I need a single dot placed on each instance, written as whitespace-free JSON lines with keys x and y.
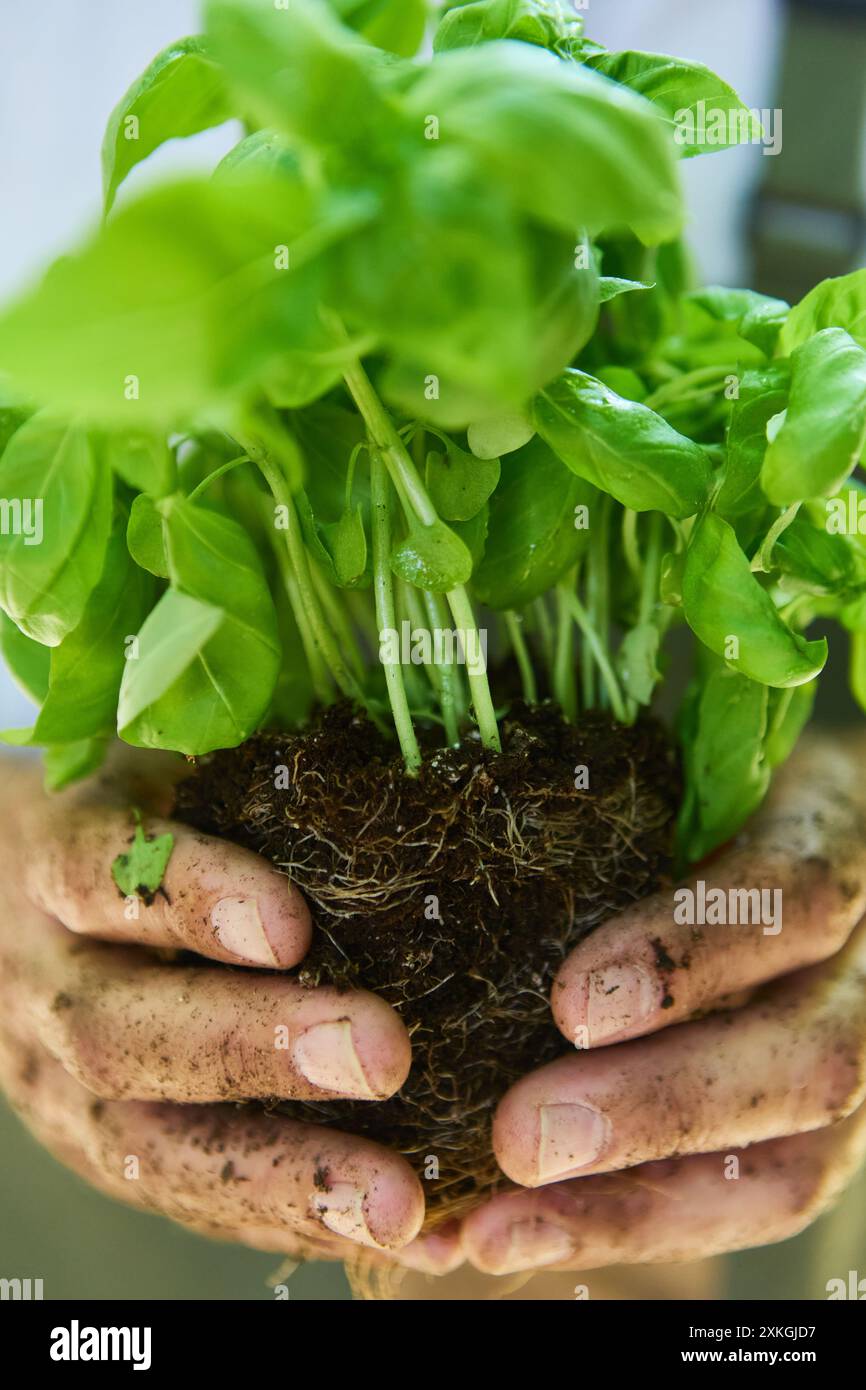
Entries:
{"x":777,"y":222}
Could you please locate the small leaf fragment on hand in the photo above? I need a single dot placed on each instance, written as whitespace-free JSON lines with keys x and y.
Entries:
{"x":139,"y":872}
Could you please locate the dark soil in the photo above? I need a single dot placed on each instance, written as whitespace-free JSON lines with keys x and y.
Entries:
{"x":455,"y":896}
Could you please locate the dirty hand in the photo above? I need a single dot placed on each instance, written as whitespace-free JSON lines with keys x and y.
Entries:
{"x":676,"y":1107}
{"x":125,"y":1066}
{"x":666,"y":1136}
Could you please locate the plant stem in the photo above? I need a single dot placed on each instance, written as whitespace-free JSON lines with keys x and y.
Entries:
{"x":412,"y":491}
{"x":336,"y":614}
{"x":597,"y":594}
{"x":649,"y":595}
{"x":602,"y":659}
{"x":545,"y":633}
{"x":450,"y":692}
{"x":482,"y":701}
{"x":407,"y":609}
{"x":784,"y":704}
{"x":419,"y":449}
{"x":322,"y":685}
{"x":629,"y":542}
{"x":350,"y":474}
{"x":763,"y":560}
{"x":411,"y":600}
{"x":514,"y":624}
{"x":217,"y":473}
{"x":321,"y":633}
{"x":673,"y":389}
{"x":564,"y":681}
{"x":598,"y":588}
{"x":587,"y":665}
{"x":321,"y":679}
{"x":360,"y":606}
{"x":390,"y":445}
{"x":383,"y":588}
{"x":649,"y":612}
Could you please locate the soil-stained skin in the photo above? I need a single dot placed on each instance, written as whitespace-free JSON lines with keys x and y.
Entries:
{"x":234,"y":1174}
{"x":89,"y":1031}
{"x":454,"y":896}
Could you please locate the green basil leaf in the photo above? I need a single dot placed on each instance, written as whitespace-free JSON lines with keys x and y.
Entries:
{"x":634,"y":323}
{"x":726,"y":759}
{"x":503,"y":434}
{"x":529,"y":21}
{"x":843,"y":514}
{"x":501,"y":310}
{"x":469,"y":317}
{"x":853,"y":614}
{"x":432,"y":557}
{"x":347,"y":541}
{"x":298,"y":70}
{"x":637,"y":662}
{"x":209,"y":651}
{"x":814,"y":561}
{"x":763,"y":393}
{"x":447,"y":402}
{"x":70,"y":762}
{"x":857,"y":668}
{"x":565,"y":293}
{"x":573,"y":149}
{"x":143,"y":460}
{"x":757,"y":317}
{"x":624,"y":381}
{"x":86,"y":669}
{"x":182,"y":92}
{"x":12,"y":417}
{"x":529,"y":320}
{"x":313,"y":532}
{"x":59,"y":497}
{"x":398,"y":26}
{"x":28,"y":661}
{"x":622,"y":447}
{"x":726,"y":607}
{"x":473,"y":534}
{"x":295,"y":378}
{"x":789,"y":713}
{"x":534,"y":537}
{"x":687,"y":94}
{"x":144,"y":537}
{"x":458,"y":483}
{"x":139,"y":871}
{"x":611,"y":286}
{"x":298,"y":379}
{"x":824,"y":431}
{"x":339,"y":547}
{"x":183,"y":299}
{"x":836,"y":303}
{"x":264,"y":152}
{"x":212,"y":558}
{"x":170,"y":641}
{"x":328,"y":435}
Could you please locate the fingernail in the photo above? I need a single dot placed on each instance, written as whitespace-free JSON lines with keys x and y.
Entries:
{"x":616,"y":998}
{"x":570,"y":1136}
{"x":325,"y":1054}
{"x":534,"y":1243}
{"x":341,"y":1209}
{"x":239,"y":930}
